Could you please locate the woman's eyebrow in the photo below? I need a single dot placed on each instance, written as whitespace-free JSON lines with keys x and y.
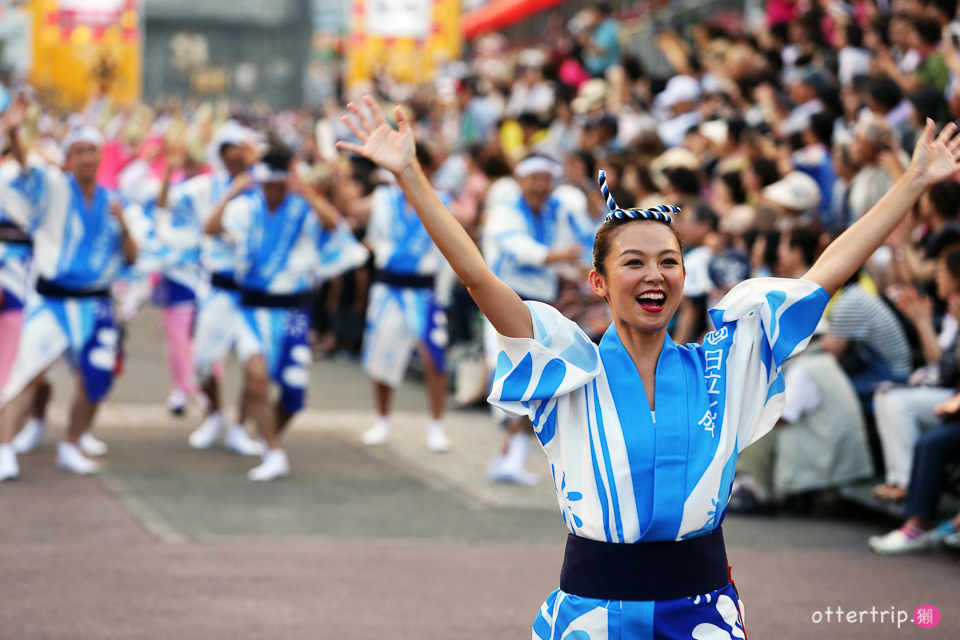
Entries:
{"x":643,"y":253}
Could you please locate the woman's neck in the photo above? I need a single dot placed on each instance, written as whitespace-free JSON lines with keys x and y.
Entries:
{"x":644,"y":347}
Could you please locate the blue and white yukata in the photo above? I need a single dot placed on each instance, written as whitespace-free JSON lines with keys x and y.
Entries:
{"x":281,"y":256}
{"x":78,"y":253}
{"x":16,"y":254}
{"x":625,"y":474}
{"x":182,"y":230}
{"x":402,"y":310}
{"x":516,"y":243}
{"x":16,"y":245}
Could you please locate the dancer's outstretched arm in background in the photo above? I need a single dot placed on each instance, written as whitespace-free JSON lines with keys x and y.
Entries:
{"x":395,"y":151}
{"x":933,"y":160}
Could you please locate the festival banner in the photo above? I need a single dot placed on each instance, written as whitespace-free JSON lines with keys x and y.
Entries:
{"x":83,"y":48}
{"x":404,"y":39}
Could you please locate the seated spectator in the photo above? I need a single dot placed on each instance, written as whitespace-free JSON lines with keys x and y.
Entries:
{"x":600,"y":42}
{"x":815,"y":161}
{"x":853,"y":59}
{"x":696,"y":226}
{"x":931,"y":69}
{"x":904,"y":412}
{"x":867,"y":338}
{"x":933,"y":453}
{"x":678,"y":104}
{"x":938,"y":209}
{"x":729,"y":200}
{"x":884,"y":98}
{"x":805,"y":87}
{"x":797,"y":197}
{"x":819,"y":443}
{"x":871,"y":150}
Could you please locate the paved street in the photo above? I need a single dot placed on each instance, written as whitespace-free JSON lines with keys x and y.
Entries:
{"x":362,"y":543}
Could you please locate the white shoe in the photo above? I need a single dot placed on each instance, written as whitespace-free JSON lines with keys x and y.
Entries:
{"x":9,"y":469}
{"x":493,"y":467}
{"x":202,"y":402}
{"x":378,"y":434}
{"x":30,"y":436}
{"x":498,"y":471}
{"x":207,"y":433}
{"x":520,"y":477}
{"x":898,"y":542}
{"x":177,"y":402}
{"x":92,"y":445}
{"x":239,"y":441}
{"x":70,"y":458}
{"x":437,"y":440}
{"x":275,"y":465}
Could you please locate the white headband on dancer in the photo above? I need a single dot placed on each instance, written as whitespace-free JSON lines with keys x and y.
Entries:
{"x":658,"y":213}
{"x":264,"y":173}
{"x":537,"y":164}
{"x":86,"y":133}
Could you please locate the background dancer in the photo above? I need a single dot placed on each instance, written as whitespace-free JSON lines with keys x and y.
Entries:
{"x":403,"y":314}
{"x":81,"y":242}
{"x":181,"y":225}
{"x":284,"y":241}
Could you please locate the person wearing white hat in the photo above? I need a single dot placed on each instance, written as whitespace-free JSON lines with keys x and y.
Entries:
{"x":81,"y":242}
{"x":524,"y":241}
{"x":796,"y":194}
{"x":678,"y":104}
{"x":180,"y":224}
{"x":285,"y":242}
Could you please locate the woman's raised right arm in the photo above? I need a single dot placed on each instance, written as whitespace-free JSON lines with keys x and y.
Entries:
{"x":395,"y":151}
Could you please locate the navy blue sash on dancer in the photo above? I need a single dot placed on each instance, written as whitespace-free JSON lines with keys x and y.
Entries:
{"x":644,"y":571}
{"x":404,"y":280}
{"x":50,"y":289}
{"x":253,"y":298}
{"x":10,"y":233}
{"x":223,"y":281}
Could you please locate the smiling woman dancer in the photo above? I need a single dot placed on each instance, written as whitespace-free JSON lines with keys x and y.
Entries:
{"x":642,"y":435}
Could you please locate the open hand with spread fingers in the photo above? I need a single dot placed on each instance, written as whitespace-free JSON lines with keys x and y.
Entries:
{"x":936,"y":159}
{"x":379,"y":142}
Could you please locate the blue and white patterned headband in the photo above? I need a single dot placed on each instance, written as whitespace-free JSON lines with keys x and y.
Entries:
{"x":658,"y":213}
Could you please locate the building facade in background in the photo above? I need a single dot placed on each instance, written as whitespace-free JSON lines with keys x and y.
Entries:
{"x":241,"y":49}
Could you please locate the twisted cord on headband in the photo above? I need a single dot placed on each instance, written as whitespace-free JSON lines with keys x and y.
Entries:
{"x":658,"y":213}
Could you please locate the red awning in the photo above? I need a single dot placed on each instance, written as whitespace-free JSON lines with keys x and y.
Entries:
{"x":498,"y":14}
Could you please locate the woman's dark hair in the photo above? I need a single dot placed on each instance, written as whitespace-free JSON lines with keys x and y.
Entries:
{"x":609,"y":230}
{"x":945,"y":198}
